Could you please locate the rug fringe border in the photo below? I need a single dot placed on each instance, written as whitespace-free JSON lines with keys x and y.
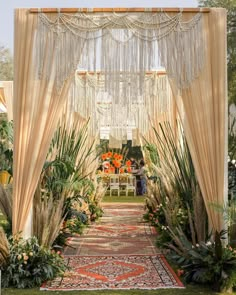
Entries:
{"x":114,"y":289}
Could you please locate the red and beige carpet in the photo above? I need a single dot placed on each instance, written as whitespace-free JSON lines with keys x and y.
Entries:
{"x":117,"y":253}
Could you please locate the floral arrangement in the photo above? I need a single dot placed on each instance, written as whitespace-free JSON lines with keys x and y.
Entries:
{"x":114,"y":162}
{"x":29,"y":265}
{"x":158,"y":219}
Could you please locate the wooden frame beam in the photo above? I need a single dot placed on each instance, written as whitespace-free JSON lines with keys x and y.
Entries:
{"x":118,"y":10}
{"x":82,"y":73}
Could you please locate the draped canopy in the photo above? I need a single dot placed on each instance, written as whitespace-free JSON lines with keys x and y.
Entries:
{"x":50,"y":46}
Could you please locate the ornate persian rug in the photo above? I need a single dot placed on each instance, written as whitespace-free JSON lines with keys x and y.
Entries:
{"x":119,"y":252}
{"x":135,"y":206}
{"x":102,"y":246}
{"x":121,"y":230}
{"x":116,"y":272}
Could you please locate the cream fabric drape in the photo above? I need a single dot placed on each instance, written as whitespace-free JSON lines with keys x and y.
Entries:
{"x":8,"y":93}
{"x":205,"y":107}
{"x":36,"y":110}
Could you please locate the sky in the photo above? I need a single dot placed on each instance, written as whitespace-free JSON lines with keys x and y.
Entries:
{"x":7,"y":10}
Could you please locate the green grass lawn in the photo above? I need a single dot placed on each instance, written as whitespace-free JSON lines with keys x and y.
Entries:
{"x":190,"y":290}
{"x":123,"y":199}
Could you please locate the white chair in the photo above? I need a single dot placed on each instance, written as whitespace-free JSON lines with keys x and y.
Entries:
{"x":131,"y":185}
{"x":114,"y":184}
{"x":123,"y":183}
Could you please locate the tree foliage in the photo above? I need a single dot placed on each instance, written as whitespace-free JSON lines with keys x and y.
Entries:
{"x":230,"y":5}
{"x":6,"y":64}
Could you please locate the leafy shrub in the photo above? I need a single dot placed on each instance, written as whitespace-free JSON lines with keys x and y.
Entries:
{"x":210,"y":263}
{"x":61,"y":240}
{"x":156,"y":217}
{"x":96,"y":211}
{"x":29,"y":264}
{"x":75,"y":225}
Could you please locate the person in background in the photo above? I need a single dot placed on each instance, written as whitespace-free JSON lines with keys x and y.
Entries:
{"x":134,"y":164}
{"x":143,"y":180}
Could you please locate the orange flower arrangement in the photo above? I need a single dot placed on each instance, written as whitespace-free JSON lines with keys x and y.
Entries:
{"x":122,"y":170}
{"x":107,"y":165}
{"x":120,"y":157}
{"x":112,"y":169}
{"x":117,"y":164}
{"x":114,"y":162}
{"x":111,"y":162}
{"x":128,"y":169}
{"x":109,"y":154}
{"x":128,"y":163}
{"x":104,"y":156}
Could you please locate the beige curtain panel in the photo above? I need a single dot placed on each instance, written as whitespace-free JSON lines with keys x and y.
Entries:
{"x":37,"y":108}
{"x":205,"y":109}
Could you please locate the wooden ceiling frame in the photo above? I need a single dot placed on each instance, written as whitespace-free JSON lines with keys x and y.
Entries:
{"x":119,"y":10}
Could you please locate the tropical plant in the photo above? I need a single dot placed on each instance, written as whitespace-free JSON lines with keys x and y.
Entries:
{"x":153,"y":153}
{"x":209,"y":263}
{"x":64,"y":167}
{"x":99,"y":192}
{"x":76,"y":224}
{"x":176,"y":190}
{"x":29,"y":264}
{"x":185,"y":235}
{"x":231,"y":159}
{"x":228,"y":211}
{"x":63,"y":177}
{"x":95,"y":210}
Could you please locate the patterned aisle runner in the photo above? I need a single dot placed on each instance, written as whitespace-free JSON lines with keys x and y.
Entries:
{"x":117,"y":253}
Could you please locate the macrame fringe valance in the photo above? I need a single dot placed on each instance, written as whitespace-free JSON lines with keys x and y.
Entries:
{"x":122,"y":42}
{"x":124,"y":46}
{"x":89,"y":98}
